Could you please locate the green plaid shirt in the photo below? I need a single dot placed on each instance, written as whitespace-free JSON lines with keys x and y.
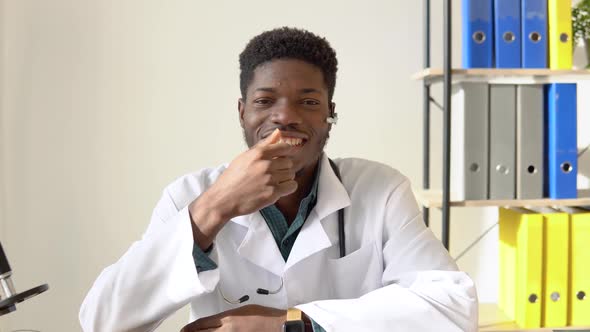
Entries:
{"x":283,"y":234}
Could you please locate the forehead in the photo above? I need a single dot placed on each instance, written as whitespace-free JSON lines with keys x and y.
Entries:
{"x":287,"y":73}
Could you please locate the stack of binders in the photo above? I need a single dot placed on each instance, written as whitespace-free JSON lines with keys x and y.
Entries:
{"x":544,"y":271}
{"x":517,"y":34}
{"x":515,"y":141}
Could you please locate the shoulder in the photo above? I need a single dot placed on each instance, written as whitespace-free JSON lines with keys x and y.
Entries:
{"x":379,"y":193}
{"x":358,"y":171}
{"x":183,"y":190}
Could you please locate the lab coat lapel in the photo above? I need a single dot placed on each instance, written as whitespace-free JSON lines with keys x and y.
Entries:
{"x":332,"y":196}
{"x":259,"y":246}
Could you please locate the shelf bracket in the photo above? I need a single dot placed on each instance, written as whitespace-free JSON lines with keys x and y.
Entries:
{"x":436,"y":103}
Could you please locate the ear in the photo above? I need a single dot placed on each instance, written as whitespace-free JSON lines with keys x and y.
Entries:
{"x":241,"y":107}
{"x":332,"y":108}
{"x":332,"y":112}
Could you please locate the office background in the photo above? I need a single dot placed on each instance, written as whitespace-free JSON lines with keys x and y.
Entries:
{"x":105,"y":102}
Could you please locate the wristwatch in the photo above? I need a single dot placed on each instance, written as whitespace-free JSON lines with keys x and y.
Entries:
{"x":294,"y":321}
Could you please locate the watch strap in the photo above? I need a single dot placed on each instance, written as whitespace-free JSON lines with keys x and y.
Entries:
{"x":294,"y":314}
{"x":294,"y":322}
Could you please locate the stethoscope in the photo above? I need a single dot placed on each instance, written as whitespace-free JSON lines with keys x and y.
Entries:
{"x":341,"y":240}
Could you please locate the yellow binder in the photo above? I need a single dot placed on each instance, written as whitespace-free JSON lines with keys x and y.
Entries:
{"x":521,"y":249}
{"x":560,"y":34}
{"x":555,"y":267}
{"x":507,"y":262}
{"x":579,"y":290}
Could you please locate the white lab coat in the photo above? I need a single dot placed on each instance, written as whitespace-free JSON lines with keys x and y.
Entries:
{"x":396,"y":275}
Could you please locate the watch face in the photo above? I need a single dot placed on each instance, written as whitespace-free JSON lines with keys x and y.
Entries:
{"x":294,"y":326}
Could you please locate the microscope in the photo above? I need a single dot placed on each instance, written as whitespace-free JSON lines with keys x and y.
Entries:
{"x":8,"y":296}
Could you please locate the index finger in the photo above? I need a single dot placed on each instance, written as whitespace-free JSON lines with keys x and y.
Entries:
{"x":281,"y":149}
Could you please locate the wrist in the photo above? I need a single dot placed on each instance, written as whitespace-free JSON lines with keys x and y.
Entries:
{"x":217,"y":206}
{"x":207,"y":219}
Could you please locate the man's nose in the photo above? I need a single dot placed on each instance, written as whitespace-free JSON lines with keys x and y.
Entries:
{"x":285,"y":114}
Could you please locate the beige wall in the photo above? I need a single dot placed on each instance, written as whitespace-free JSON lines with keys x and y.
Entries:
{"x":105,"y":102}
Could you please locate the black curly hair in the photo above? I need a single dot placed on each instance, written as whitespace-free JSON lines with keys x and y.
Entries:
{"x":288,"y":43}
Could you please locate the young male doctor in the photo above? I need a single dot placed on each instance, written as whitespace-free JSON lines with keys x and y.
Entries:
{"x":270,"y":220}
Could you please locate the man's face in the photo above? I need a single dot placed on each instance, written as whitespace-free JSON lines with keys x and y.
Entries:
{"x":290,"y":95}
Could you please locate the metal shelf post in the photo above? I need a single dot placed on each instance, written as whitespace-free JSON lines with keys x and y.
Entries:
{"x":426,"y":112}
{"x":446,"y":213}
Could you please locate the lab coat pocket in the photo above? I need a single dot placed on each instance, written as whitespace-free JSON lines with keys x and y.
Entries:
{"x":356,"y":273}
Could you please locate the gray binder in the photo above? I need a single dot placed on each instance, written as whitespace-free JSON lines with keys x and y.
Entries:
{"x":502,"y":142}
{"x":469,"y":141}
{"x":529,"y":141}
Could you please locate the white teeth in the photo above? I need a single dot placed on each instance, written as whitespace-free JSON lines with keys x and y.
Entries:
{"x":291,"y":141}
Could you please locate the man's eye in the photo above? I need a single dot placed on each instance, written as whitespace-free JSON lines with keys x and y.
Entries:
{"x":262,"y":101}
{"x":311,"y":102}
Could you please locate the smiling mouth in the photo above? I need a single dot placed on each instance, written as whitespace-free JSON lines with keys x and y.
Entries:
{"x":292,"y":141}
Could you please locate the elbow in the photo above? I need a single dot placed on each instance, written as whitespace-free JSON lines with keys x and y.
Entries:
{"x":452,"y":294}
{"x":469,"y":293}
{"x":87,"y":317}
{"x":96,"y":310}
{"x":463,"y":301}
{"x":473,"y":309}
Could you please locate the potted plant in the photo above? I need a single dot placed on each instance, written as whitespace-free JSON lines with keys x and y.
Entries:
{"x":581,"y":25}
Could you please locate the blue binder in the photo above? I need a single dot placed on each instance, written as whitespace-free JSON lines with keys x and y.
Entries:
{"x":534,"y":34}
{"x":561,"y":141}
{"x":508,"y":34}
{"x":478,"y":33}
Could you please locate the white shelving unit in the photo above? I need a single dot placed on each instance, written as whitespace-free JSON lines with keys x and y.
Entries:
{"x":491,"y":317}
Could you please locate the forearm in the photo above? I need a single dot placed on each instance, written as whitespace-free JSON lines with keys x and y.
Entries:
{"x":446,"y":298}
{"x":156,"y":274}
